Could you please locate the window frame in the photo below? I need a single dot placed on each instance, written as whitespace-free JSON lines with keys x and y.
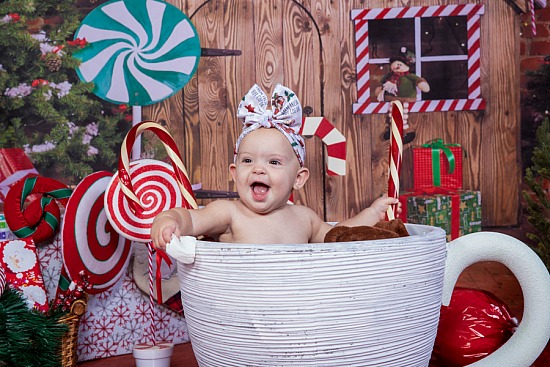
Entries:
{"x":361,"y":17}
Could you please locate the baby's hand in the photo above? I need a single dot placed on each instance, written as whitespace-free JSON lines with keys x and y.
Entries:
{"x":381,"y":205}
{"x":162,"y":229}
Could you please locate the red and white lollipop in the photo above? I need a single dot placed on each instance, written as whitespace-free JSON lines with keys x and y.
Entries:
{"x":144,"y":188}
{"x":90,"y":243}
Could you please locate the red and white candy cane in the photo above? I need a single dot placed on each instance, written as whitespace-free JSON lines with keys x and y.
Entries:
{"x":173,"y":153}
{"x":396,"y":155}
{"x":2,"y":280}
{"x":533,"y":19}
{"x":142,"y":189}
{"x":332,"y":138}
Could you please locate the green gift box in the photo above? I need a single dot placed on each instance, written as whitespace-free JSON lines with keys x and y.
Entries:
{"x":457,"y":212}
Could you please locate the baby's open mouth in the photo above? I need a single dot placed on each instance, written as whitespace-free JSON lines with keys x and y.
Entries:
{"x":259,"y":189}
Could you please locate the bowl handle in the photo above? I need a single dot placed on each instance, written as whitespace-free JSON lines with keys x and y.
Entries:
{"x":533,"y":333}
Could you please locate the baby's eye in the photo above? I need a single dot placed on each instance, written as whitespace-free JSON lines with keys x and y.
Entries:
{"x":246,"y":160}
{"x":275,"y":162}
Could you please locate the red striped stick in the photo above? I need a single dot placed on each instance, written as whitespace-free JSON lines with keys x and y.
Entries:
{"x":533,"y":21}
{"x":396,"y":156}
{"x":152,"y":326}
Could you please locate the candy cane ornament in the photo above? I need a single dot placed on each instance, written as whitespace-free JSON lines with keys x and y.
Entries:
{"x":395,"y":156}
{"x":332,"y":138}
{"x":144,"y":188}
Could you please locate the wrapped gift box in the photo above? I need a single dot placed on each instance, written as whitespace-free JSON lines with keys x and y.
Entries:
{"x":457,"y":212}
{"x":437,"y":165}
{"x":14,"y":165}
{"x":116,"y":319}
{"x":19,"y":259}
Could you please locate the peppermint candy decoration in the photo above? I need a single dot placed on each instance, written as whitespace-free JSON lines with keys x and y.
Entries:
{"x":90,"y":244}
{"x":139,"y":52}
{"x":144,"y":188}
{"x":156,"y":187}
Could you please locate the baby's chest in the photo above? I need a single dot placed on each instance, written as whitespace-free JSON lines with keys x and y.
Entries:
{"x":285,"y":230}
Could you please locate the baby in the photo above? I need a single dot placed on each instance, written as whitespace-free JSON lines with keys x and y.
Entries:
{"x":268,"y":165}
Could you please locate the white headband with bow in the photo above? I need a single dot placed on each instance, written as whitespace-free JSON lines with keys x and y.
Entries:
{"x":285,"y":115}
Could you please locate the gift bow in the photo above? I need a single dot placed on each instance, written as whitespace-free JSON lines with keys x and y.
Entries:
{"x":436,"y":146}
{"x":285,"y":115}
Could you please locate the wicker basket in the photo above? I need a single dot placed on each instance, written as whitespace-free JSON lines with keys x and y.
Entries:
{"x":70,"y":339}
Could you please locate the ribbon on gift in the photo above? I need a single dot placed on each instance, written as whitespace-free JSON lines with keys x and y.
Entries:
{"x":431,"y":191}
{"x":437,"y":146}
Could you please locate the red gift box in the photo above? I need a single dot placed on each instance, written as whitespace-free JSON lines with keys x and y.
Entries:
{"x":437,"y":165}
{"x":14,"y":165}
{"x":19,"y":259}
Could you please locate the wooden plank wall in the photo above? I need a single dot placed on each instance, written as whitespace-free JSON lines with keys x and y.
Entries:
{"x":309,"y":46}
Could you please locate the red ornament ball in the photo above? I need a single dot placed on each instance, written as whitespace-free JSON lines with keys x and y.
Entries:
{"x":475,"y":324}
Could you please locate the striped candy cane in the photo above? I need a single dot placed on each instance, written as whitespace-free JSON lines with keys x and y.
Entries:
{"x":533,"y":20}
{"x":332,"y":138}
{"x":172,"y":151}
{"x":152,"y":325}
{"x":2,"y":280}
{"x":396,"y":155}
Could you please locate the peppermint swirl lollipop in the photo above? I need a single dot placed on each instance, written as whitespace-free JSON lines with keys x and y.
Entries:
{"x":139,"y":52}
{"x":90,"y":243}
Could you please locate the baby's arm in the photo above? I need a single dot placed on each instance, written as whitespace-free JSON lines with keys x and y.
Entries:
{"x":373,"y":214}
{"x":215,"y":218}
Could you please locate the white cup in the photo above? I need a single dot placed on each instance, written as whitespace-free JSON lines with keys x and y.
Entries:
{"x":366,"y":303}
{"x":148,"y":355}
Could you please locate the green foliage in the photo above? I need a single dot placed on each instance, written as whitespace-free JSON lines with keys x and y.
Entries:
{"x":537,"y":84}
{"x":537,"y":198}
{"x":28,"y":338}
{"x":44,"y":107}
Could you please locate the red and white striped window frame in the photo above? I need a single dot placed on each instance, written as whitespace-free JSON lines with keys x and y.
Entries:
{"x":361,"y":17}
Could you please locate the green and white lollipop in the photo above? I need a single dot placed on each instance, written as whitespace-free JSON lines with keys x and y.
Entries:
{"x":139,"y":52}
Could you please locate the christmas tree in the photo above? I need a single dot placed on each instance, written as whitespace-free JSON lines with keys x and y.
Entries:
{"x":537,"y":198}
{"x":537,"y":176}
{"x":65,"y":129}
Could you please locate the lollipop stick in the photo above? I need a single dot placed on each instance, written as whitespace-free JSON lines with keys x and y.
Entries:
{"x":396,"y":155}
{"x":136,"y":119}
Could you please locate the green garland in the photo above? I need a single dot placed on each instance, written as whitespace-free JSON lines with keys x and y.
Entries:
{"x":28,"y":338}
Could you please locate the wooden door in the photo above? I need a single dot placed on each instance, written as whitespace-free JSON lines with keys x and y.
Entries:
{"x":279,"y":43}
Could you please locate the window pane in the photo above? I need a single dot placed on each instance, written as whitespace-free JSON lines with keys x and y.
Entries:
{"x":444,"y":36}
{"x":447,"y":79}
{"x":387,"y":36}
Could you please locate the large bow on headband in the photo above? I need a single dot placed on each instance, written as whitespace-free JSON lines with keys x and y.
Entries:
{"x":285,"y":115}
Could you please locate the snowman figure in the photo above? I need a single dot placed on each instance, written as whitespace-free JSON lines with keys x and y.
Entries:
{"x":402,"y":85}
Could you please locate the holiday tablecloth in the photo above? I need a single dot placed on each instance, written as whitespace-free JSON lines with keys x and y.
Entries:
{"x":116,"y":319}
{"x":437,"y":165}
{"x":457,"y":212}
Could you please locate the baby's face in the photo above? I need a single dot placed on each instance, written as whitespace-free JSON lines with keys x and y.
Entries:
{"x":265,"y":170}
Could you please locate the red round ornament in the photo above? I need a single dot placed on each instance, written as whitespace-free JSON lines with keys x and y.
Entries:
{"x":475,"y":324}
